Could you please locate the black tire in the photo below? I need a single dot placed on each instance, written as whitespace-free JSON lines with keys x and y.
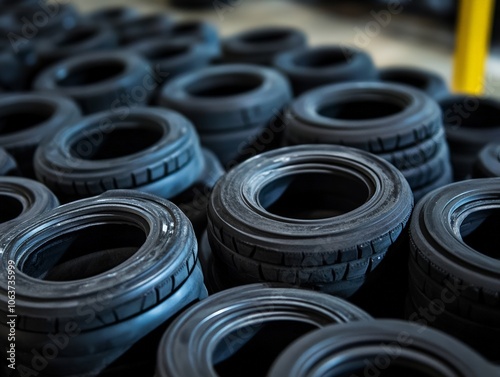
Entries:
{"x":22,"y":199}
{"x":454,"y":241}
{"x":196,"y":31}
{"x":204,"y":340}
{"x":311,"y":67}
{"x":262,"y":229}
{"x":488,"y":162}
{"x":429,"y":82}
{"x":8,"y":165}
{"x":142,"y":27}
{"x":153,"y":150}
{"x":261,"y":45}
{"x":83,"y":38}
{"x":444,"y":179}
{"x":114,"y":15}
{"x":100,"y":81}
{"x":116,"y":299}
{"x":374,"y":348}
{"x":22,"y":132}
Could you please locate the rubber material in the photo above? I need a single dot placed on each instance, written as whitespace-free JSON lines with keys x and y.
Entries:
{"x":204,"y":337}
{"x":8,"y":165}
{"x":114,"y":15}
{"x":133,"y":297}
{"x":311,"y":67}
{"x":21,"y":132}
{"x":142,"y":27}
{"x":488,"y":162}
{"x":380,"y":347}
{"x":23,"y":199}
{"x":196,"y":31}
{"x":100,"y":81}
{"x":261,"y":45}
{"x":444,"y":179}
{"x":95,"y":155}
{"x":17,"y":64}
{"x":429,"y":82}
{"x":307,"y":239}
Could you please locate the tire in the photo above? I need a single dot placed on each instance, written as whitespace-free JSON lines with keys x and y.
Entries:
{"x":86,"y":159}
{"x":204,"y":340}
{"x":100,"y":81}
{"x":8,"y":165}
{"x":113,"y":15}
{"x":453,"y":241}
{"x":21,"y":133}
{"x":429,"y":82}
{"x":261,"y":45}
{"x":379,"y":347}
{"x":134,"y":294}
{"x":311,"y":67}
{"x":197,"y":31}
{"x":22,"y":199}
{"x":143,"y":27}
{"x":83,"y":38}
{"x":488,"y":162}
{"x":17,"y":63}
{"x":444,"y":179}
{"x":310,"y":243}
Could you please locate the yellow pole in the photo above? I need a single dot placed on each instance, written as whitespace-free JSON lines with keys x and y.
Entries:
{"x":475,"y":20}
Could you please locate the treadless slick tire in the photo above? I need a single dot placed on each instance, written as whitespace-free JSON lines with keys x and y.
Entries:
{"x":455,"y":260}
{"x":311,"y":67}
{"x":488,"y":162}
{"x":380,"y":348}
{"x":316,"y":216}
{"x":99,"y":274}
{"x":100,"y":81}
{"x":22,"y":199}
{"x":427,"y":81}
{"x":242,"y":330}
{"x":21,"y":131}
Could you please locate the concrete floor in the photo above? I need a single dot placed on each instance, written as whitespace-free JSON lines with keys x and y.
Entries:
{"x":405,"y":40}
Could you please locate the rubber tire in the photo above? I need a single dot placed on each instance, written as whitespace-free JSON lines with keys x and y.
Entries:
{"x":323,"y":65}
{"x":488,"y":162}
{"x":261,"y":45}
{"x":429,"y":82}
{"x":143,"y":27}
{"x":196,"y":31}
{"x":210,"y":114}
{"x":339,"y":249}
{"x":8,"y":165}
{"x":32,"y":197}
{"x":141,"y":292}
{"x":107,"y":93}
{"x":444,"y":179}
{"x":192,"y":344}
{"x":55,"y":112}
{"x":165,"y":168}
{"x":113,"y":15}
{"x":349,"y":349}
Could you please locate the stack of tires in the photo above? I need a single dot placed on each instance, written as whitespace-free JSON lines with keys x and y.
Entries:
{"x":455,"y":263}
{"x":398,"y":123}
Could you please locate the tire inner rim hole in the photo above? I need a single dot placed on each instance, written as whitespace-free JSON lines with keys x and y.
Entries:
{"x":166,"y":52}
{"x":17,"y":120}
{"x":11,"y":208}
{"x":470,"y":112}
{"x":185,"y":28}
{"x":77,"y":36}
{"x":384,"y":366}
{"x":320,"y":59}
{"x":92,"y":73}
{"x":250,"y":351}
{"x":312,"y":196}
{"x":479,"y":230}
{"x":84,"y":253}
{"x":123,"y":139}
{"x":266,"y":37}
{"x":224,"y":85}
{"x":419,"y":82}
{"x":363,"y":109}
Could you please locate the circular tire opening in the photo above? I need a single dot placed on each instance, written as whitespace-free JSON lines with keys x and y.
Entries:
{"x":311,"y":196}
{"x":250,"y":351}
{"x":479,"y":230}
{"x":268,"y":36}
{"x":77,"y":36}
{"x":415,"y":81}
{"x":90,"y":74}
{"x":125,"y":139}
{"x":11,"y":208}
{"x":320,"y":59}
{"x":360,"y":109}
{"x":224,"y":86}
{"x":12,"y":121}
{"x":84,"y":253}
{"x":166,"y":52}
{"x":185,"y":28}
{"x":473,"y":113}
